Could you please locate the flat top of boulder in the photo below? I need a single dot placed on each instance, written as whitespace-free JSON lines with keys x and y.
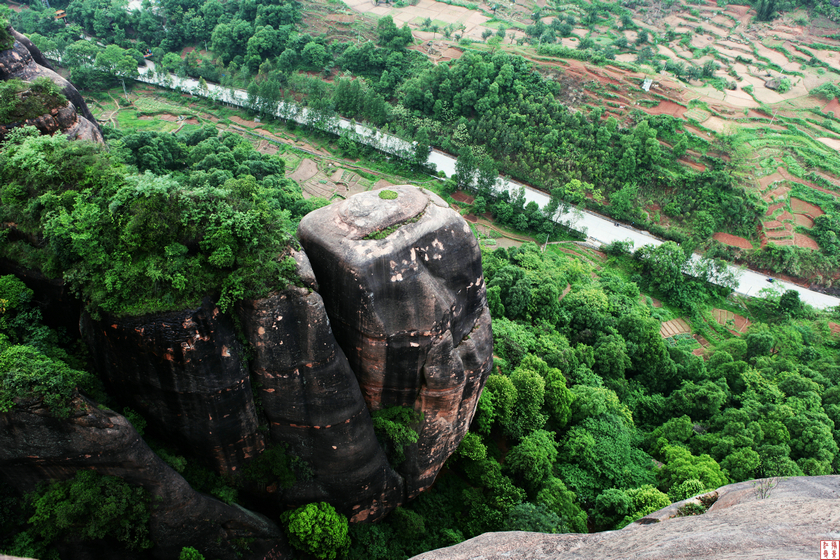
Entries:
{"x":373,"y":211}
{"x":787,"y":522}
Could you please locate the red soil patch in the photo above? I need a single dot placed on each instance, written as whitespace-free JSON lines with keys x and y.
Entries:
{"x":773,"y":225}
{"x":833,"y":106}
{"x":694,"y":165}
{"x":801,"y":207}
{"x":451,"y":54}
{"x":757,"y":114}
{"x":566,"y":291}
{"x":793,"y":179}
{"x":698,"y":351}
{"x":461,"y":196}
{"x":785,"y":217}
{"x":667,"y":108}
{"x":471,"y":218}
{"x":773,"y":208}
{"x":804,"y":221}
{"x":732,"y":240}
{"x":778,"y":233}
{"x":740,"y":11}
{"x":340,"y":18}
{"x":243,"y":122}
{"x":736,"y":324}
{"x":775,"y":194}
{"x":764,"y":182}
{"x":835,"y":328}
{"x":802,"y":240}
{"x":186,"y":51}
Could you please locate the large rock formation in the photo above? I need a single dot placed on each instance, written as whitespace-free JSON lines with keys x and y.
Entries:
{"x":25,"y":62}
{"x":185,"y":373}
{"x":401,"y":278}
{"x":409,"y":310}
{"x":788,"y":522}
{"x":35,"y":446}
{"x":313,"y":403}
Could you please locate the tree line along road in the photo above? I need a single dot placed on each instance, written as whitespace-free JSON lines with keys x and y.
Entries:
{"x":596,"y":227}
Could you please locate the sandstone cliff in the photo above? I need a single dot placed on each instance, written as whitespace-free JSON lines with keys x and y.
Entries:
{"x":430,"y":348}
{"x":402,"y":283}
{"x":313,"y":404}
{"x":25,"y":62}
{"x":224,"y":387}
{"x":35,"y":446}
{"x":184,"y":371}
{"x":788,"y":523}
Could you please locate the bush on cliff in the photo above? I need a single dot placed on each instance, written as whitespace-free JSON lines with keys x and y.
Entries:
{"x":318,"y":529}
{"x":20,"y":100}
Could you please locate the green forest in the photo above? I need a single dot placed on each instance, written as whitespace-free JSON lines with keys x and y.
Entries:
{"x":590,"y":420}
{"x":490,"y":107}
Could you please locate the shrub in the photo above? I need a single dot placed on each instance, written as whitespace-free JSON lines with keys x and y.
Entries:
{"x":318,"y":529}
{"x":26,"y":372}
{"x":7,"y":41}
{"x":21,"y":100}
{"x":394,"y":429}
{"x":387,"y":194}
{"x":91,"y":507}
{"x":189,"y":553}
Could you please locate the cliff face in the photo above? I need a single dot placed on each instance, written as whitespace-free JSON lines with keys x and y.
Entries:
{"x":184,"y":372}
{"x":789,"y":522}
{"x":313,"y":403}
{"x":35,"y":446}
{"x":25,"y":62}
{"x":409,"y":310}
{"x":403,"y":321}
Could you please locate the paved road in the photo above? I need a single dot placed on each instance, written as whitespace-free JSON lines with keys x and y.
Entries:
{"x":596,"y":227}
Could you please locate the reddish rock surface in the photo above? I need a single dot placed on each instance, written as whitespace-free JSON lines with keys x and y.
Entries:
{"x":313,"y":403}
{"x":788,"y":523}
{"x":184,"y":372}
{"x":35,"y":447}
{"x":409,"y":310}
{"x":25,"y":62}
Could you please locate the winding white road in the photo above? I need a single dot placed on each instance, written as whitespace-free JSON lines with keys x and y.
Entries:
{"x":597,"y":227}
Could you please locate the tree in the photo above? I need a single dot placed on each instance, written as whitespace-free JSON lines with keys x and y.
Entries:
{"x":465,"y":168}
{"x":559,"y":499}
{"x":390,"y":36}
{"x":681,"y":465}
{"x":422,"y":149}
{"x":117,"y":62}
{"x":91,"y":507}
{"x":319,"y":530}
{"x":532,"y":458}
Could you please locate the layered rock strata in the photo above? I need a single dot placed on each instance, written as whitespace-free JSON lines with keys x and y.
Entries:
{"x":36,"y":447}
{"x":313,"y":403}
{"x":402,"y":283}
{"x":184,"y":371}
{"x":25,"y":62}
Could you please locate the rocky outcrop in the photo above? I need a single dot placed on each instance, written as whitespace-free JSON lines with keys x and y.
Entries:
{"x":36,"y":447}
{"x":788,"y":522}
{"x":408,"y":310}
{"x":401,"y":279}
{"x":313,"y":403}
{"x":184,"y":371}
{"x":25,"y":62}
